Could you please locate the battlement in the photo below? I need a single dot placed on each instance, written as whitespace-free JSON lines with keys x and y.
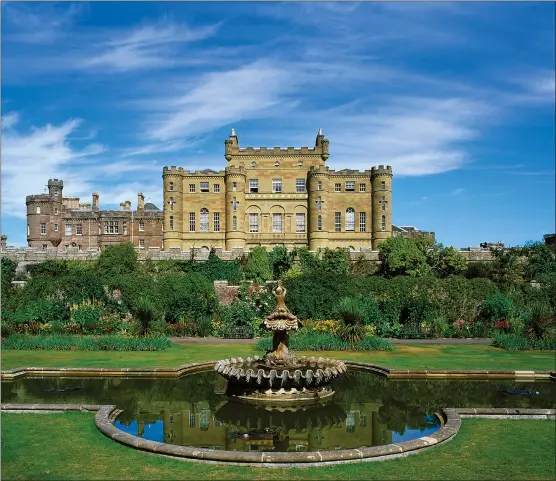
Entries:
{"x":55,"y":182}
{"x":381,"y":170}
{"x":231,"y":170}
{"x":37,"y":198}
{"x":351,"y":172}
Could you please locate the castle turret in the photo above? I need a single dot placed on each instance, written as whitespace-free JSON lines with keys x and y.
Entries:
{"x":322,"y":144}
{"x":231,"y":145}
{"x":381,"y":180}
{"x":236,"y":228}
{"x":44,"y":225}
{"x":95,"y":201}
{"x":172,"y":180}
{"x":140,"y":201}
{"x":318,"y":181}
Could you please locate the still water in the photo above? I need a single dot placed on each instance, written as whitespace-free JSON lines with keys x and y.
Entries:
{"x":366,"y":410}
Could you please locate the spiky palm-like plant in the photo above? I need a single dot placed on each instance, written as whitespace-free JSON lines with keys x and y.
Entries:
{"x":352,"y":313}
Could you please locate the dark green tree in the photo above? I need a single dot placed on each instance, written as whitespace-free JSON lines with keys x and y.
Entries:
{"x":280,"y":260}
{"x":257,"y":267}
{"x":116,"y":260}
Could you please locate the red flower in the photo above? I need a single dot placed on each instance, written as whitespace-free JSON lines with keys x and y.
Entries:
{"x":472,"y":323}
{"x":487,"y":324}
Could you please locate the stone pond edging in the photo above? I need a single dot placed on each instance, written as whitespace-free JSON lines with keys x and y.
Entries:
{"x":191,"y":368}
{"x":107,"y":414}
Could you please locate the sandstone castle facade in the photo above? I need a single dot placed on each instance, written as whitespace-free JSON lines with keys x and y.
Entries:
{"x":280,"y":196}
{"x":57,"y":221}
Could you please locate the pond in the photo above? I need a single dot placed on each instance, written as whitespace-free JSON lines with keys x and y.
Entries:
{"x":366,"y":410}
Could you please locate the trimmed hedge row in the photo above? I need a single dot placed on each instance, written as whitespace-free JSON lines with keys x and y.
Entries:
{"x":514,"y":342}
{"x":326,"y":342}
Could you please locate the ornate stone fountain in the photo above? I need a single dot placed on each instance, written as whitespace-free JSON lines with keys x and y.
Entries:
{"x":280,"y":377}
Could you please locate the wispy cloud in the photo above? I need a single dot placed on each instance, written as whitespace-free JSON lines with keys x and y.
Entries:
{"x":144,"y":47}
{"x":458,"y":191}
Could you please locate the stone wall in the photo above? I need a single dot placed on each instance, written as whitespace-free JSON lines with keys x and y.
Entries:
{"x":30,"y":255}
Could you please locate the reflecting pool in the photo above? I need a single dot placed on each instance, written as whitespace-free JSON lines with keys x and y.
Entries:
{"x":366,"y":409}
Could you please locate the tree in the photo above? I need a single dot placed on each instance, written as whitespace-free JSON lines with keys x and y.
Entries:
{"x":117,"y":259}
{"x":335,"y":261}
{"x":8,"y":268}
{"x":257,"y":267}
{"x":507,"y":266}
{"x":446,"y":261}
{"x":403,"y":257}
{"x":280,"y":260}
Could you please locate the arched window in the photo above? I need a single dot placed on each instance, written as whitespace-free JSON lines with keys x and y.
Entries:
{"x":234,"y":223}
{"x":204,"y":220}
{"x":350,"y":219}
{"x":383,"y":225}
{"x":319,"y":222}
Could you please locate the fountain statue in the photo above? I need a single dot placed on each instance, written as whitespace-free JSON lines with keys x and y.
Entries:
{"x":280,"y":377}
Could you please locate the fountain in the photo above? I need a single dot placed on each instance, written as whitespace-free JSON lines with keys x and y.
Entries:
{"x":280,"y":377}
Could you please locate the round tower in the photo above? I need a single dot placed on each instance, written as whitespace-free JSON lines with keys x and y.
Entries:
{"x":381,"y":183}
{"x":318,"y":181}
{"x":235,"y":179}
{"x":173,"y":207}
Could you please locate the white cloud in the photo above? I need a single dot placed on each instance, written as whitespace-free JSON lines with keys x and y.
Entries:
{"x":458,"y":191}
{"x":10,"y":120}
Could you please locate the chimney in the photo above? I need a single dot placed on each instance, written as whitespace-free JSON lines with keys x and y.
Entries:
{"x":140,"y":201}
{"x":127,"y":205}
{"x":95,"y":201}
{"x":122,"y":206}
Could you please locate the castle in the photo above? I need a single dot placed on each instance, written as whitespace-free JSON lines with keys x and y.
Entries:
{"x":264,"y":197}
{"x":57,"y":221}
{"x":268,"y":197}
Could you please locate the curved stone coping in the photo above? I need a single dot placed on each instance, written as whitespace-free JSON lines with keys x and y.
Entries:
{"x":106,"y":415}
{"x":208,"y":365}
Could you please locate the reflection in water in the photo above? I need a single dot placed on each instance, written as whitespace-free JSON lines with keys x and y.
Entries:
{"x":366,"y":410}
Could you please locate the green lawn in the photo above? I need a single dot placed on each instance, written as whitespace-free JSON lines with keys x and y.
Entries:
{"x":69,"y":446}
{"x":402,"y":357}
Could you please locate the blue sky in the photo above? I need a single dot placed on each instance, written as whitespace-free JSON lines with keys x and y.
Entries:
{"x":457,"y":97}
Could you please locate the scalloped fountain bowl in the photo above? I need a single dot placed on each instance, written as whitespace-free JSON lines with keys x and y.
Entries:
{"x":299,"y":381}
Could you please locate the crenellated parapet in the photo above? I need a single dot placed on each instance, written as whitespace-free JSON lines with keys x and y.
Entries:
{"x":381,"y":170}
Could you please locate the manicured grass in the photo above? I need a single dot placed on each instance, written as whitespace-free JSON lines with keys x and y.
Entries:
{"x":69,"y":446}
{"x":402,"y":357}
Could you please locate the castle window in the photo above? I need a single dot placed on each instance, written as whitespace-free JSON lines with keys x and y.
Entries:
{"x":141,"y":243}
{"x":337,"y":187}
{"x":141,"y":225}
{"x":319,"y":185}
{"x":44,"y":247}
{"x":55,"y":191}
{"x":253,"y":186}
{"x":192,"y":222}
{"x":56,"y":211}
{"x":337,"y":221}
{"x":350,"y":219}
{"x":204,"y":220}
{"x":124,"y":227}
{"x":43,"y":229}
{"x":299,"y":223}
{"x":300,"y":185}
{"x":362,"y":222}
{"x":383,"y":185}
{"x":350,"y":186}
{"x":300,"y":163}
{"x":383,"y":223}
{"x":362,"y":187}
{"x":110,"y":227}
{"x":172,"y":204}
{"x":234,"y":203}
{"x":204,"y":187}
{"x":276,"y":164}
{"x":55,"y":227}
{"x":191,"y":188}
{"x":68,"y":228}
{"x":319,"y":204}
{"x":383,"y":203}
{"x":253,"y":222}
{"x":171,"y":223}
{"x":78,"y":229}
{"x":216,"y":218}
{"x":79,"y":247}
{"x":216,"y":188}
{"x":234,"y":223}
{"x":28,"y":230}
{"x":319,"y":222}
{"x":253,"y":164}
{"x":276,"y":222}
{"x":276,"y":186}
{"x":170,"y":186}
{"x":234,"y":186}
{"x":38,"y":210}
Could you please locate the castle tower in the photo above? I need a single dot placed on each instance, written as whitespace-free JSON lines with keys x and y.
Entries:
{"x":318,"y":208}
{"x":44,"y":224}
{"x":173,"y":207}
{"x":381,"y":182}
{"x":236,"y":228}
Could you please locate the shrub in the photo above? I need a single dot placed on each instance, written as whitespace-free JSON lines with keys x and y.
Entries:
{"x":496,"y":308}
{"x":186,"y":297}
{"x":116,"y":260}
{"x":280,"y":261}
{"x":322,"y":327}
{"x":446,"y":261}
{"x":372,"y":344}
{"x":49,"y":268}
{"x":540,"y":323}
{"x":257,"y":267}
{"x":352,"y":312}
{"x":237,"y":314}
{"x":514,"y":342}
{"x":402,"y":257}
{"x":7,"y":270}
{"x":145,"y":312}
